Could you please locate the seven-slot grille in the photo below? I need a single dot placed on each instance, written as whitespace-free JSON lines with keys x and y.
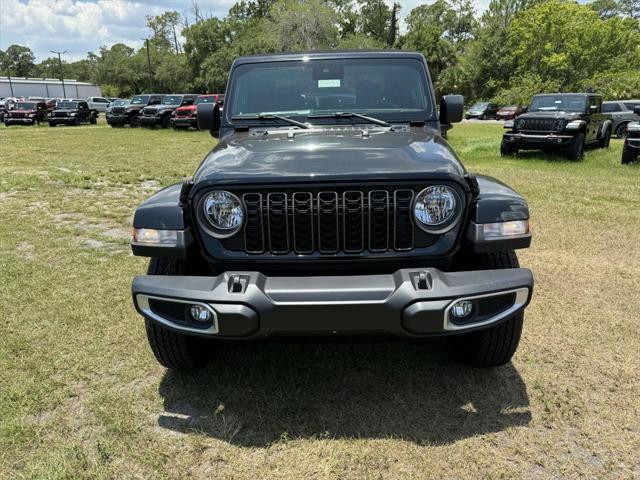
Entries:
{"x":117,"y":110}
{"x":149,"y":111}
{"x":539,"y":124}
{"x":328,"y":222}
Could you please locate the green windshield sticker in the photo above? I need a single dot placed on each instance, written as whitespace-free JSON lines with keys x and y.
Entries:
{"x":329,"y":83}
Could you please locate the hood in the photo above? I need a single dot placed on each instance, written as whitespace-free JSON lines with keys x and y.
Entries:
{"x":332,"y":154}
{"x":551,"y":115}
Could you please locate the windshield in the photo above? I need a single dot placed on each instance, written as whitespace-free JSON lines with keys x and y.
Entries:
{"x":67,"y":105}
{"x":119,"y":103}
{"x":205,"y":99}
{"x":140,"y":100}
{"x":382,"y":87}
{"x":172,"y":100}
{"x":558,"y":103}
{"x":25,"y":106}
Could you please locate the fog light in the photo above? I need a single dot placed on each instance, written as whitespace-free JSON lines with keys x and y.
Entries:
{"x":200,"y":313}
{"x":462,"y":308}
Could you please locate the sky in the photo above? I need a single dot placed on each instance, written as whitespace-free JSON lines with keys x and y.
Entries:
{"x":81,"y":26}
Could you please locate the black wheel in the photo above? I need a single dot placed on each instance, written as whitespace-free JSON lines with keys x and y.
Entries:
{"x":575,"y":150}
{"x":174,"y":350}
{"x":164,"y":121}
{"x":629,"y":155}
{"x":506,"y":149}
{"x":134,"y":121}
{"x":94,"y":120}
{"x":621,"y":130}
{"x":605,"y":140}
{"x":493,"y":346}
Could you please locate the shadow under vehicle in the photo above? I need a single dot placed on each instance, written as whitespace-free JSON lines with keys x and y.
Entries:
{"x":566,"y":122}
{"x":305,"y":221}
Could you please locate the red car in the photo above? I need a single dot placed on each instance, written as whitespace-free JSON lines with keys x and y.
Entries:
{"x":185,"y":117}
{"x":508,"y":113}
{"x":26,"y":112}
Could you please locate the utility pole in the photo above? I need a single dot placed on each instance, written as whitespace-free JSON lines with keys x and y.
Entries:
{"x":146,"y":40}
{"x":10,"y":84}
{"x":64,"y":91}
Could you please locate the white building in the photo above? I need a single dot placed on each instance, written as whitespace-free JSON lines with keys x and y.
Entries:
{"x":46,"y":87}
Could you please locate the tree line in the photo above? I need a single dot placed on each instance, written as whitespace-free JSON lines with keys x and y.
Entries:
{"x":515,"y":49}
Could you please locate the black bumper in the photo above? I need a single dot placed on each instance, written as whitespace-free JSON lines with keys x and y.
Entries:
{"x":147,"y":120}
{"x":525,"y":140}
{"x":180,"y":122}
{"x":409,"y":303}
{"x":117,"y":119}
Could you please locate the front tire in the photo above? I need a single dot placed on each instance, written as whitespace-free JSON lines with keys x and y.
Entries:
{"x":506,"y":149}
{"x":575,"y":150}
{"x":621,"y":130}
{"x":629,"y":155}
{"x":606,"y":139}
{"x":174,"y":350}
{"x":496,"y":345}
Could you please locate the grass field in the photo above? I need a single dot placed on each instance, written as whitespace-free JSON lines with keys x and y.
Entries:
{"x":81,"y":395}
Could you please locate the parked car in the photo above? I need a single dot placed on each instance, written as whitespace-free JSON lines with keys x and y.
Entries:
{"x":508,"y":113}
{"x":185,"y":116}
{"x":99,"y":104}
{"x":72,"y":113}
{"x":9,"y":102}
{"x":160,"y":115}
{"x":621,"y":116}
{"x":482,"y":111}
{"x":559,"y":121}
{"x":26,"y":112}
{"x":631,"y":149}
{"x":326,"y":222}
{"x":130,"y":114}
{"x":120,"y":102}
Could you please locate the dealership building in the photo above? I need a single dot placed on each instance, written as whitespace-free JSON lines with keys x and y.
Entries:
{"x":46,"y":87}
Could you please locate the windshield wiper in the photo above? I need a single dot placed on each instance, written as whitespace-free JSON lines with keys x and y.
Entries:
{"x":271,"y":116}
{"x":377,"y":121}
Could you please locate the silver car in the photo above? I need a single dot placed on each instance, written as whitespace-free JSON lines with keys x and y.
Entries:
{"x":99,"y":104}
{"x":621,"y":116}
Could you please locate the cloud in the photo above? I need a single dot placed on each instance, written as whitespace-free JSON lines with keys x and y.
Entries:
{"x":81,"y":26}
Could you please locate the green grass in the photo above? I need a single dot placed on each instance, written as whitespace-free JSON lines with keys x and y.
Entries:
{"x":81,"y":395}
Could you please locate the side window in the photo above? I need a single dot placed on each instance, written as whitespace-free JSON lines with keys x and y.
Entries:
{"x":102,"y":100}
{"x":611,"y":107}
{"x":154,"y":101}
{"x":83,"y":105}
{"x":187,"y":101}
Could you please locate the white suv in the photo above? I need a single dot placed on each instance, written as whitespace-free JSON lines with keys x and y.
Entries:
{"x":99,"y":104}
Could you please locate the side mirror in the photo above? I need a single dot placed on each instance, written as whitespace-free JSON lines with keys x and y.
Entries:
{"x":209,"y":118}
{"x":593,"y":108}
{"x":636,"y":110}
{"x":451,"y":107}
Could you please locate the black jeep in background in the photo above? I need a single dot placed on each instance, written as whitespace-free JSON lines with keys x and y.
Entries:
{"x":332,"y":206}
{"x":631,"y":149}
{"x":559,"y":121}
{"x":160,"y":115}
{"x":69,"y":112}
{"x":130,"y":114}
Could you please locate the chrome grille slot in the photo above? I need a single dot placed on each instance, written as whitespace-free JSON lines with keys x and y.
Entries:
{"x":254,"y":229}
{"x":278,"y":222}
{"x":328,"y":233}
{"x":403,"y":224}
{"x":539,"y":124}
{"x":378,"y":220}
{"x":353,"y":221}
{"x":302,"y":203}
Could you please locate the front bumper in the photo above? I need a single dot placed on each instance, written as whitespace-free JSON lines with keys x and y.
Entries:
{"x":409,"y":303}
{"x":19,"y":121}
{"x":184,"y":122}
{"x":527,"y":140}
{"x":149,"y":120}
{"x":117,"y":119}
{"x":633,"y":142}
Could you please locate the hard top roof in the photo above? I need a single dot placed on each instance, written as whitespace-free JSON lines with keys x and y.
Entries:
{"x":327,"y":54}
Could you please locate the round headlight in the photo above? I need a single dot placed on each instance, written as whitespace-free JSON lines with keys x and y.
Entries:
{"x":435,"y":206}
{"x":520,"y":123}
{"x":223,"y":210}
{"x":558,"y":124}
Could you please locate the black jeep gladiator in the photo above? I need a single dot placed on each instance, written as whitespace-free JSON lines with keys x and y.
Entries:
{"x":631,"y":149}
{"x":130,"y":114}
{"x":332,"y":206}
{"x":68,"y":112}
{"x":559,"y":121}
{"x":160,"y":115}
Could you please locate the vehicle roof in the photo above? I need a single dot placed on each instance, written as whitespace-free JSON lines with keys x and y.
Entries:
{"x":570,"y":93}
{"x":327,"y":54}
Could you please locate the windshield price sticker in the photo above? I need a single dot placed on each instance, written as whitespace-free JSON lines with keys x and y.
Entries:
{"x":329,"y":83}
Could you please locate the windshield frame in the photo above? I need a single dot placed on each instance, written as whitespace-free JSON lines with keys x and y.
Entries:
{"x":565,"y":96}
{"x":429,"y":114}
